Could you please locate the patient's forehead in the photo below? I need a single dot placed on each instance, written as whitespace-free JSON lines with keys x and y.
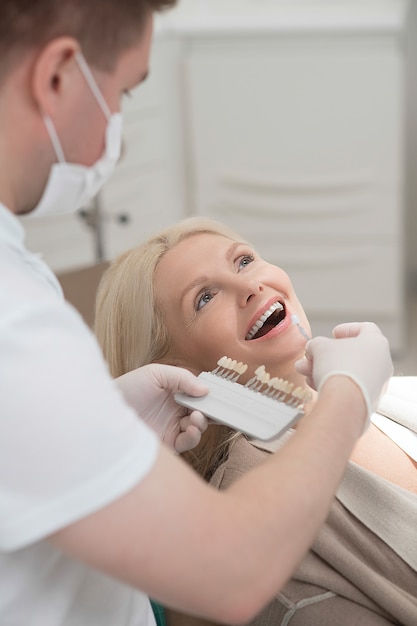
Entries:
{"x":197,"y":247}
{"x":188,"y":258}
{"x":197,"y":239}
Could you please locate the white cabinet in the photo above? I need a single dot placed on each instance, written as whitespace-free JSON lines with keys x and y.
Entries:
{"x":296,"y":140}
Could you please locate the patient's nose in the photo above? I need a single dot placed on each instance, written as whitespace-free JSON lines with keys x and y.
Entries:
{"x":248,"y":289}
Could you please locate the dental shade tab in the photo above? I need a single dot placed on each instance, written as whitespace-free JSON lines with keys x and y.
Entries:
{"x":263,"y":408}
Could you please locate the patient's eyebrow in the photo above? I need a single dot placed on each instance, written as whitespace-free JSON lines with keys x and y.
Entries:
{"x":195,"y":283}
{"x":232,"y":249}
{"x":200,"y":280}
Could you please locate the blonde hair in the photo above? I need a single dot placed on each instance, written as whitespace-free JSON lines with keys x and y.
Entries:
{"x":131,"y":329}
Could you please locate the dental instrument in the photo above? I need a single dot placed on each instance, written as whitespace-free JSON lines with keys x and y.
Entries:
{"x":296,"y":321}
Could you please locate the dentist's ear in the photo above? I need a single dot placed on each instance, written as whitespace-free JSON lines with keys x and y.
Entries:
{"x":54,"y":73}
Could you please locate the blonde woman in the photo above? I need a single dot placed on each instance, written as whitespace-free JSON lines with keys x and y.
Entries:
{"x":198,"y":291}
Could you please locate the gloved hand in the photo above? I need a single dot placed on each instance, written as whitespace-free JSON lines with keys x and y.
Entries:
{"x":149,"y":390}
{"x":359,"y":351}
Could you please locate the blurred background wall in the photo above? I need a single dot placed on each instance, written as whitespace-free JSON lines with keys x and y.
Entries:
{"x":411,"y":134}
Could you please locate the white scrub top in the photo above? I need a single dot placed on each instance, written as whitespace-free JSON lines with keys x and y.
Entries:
{"x":69,"y":445}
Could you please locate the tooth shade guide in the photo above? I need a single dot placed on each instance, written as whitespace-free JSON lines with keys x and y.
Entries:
{"x":221,"y":363}
{"x":229,"y":369}
{"x":275,"y":388}
{"x":253,"y":411}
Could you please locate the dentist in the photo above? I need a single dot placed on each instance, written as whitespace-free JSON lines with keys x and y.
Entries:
{"x":95,"y":514}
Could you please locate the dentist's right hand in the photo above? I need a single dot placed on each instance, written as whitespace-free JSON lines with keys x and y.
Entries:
{"x":358,"y":350}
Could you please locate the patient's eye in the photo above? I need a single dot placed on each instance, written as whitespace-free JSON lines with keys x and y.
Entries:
{"x":203,"y":299}
{"x":245,"y":260}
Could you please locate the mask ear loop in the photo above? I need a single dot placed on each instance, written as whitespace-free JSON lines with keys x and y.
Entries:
{"x":91,"y":81}
{"x":56,"y":144}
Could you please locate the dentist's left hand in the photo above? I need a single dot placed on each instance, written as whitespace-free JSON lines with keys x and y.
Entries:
{"x":150,"y":392}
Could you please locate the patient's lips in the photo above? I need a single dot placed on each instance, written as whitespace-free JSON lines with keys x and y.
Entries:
{"x":273,"y":316}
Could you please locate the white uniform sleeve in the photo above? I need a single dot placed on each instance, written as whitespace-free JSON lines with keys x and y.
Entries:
{"x":69,"y":444}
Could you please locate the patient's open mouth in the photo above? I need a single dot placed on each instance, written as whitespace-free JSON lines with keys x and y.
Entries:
{"x":267,"y":321}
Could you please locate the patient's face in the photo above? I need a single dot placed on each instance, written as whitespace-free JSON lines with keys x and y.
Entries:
{"x":214,"y":295}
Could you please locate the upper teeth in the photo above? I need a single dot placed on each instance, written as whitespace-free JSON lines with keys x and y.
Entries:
{"x":261,"y":321}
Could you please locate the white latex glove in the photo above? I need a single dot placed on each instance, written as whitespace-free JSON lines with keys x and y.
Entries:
{"x":149,"y":390}
{"x":359,"y":351}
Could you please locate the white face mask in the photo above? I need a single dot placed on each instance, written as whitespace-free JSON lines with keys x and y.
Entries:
{"x":70,"y":186}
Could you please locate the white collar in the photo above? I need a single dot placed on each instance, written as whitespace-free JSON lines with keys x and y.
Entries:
{"x":11,"y":231}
